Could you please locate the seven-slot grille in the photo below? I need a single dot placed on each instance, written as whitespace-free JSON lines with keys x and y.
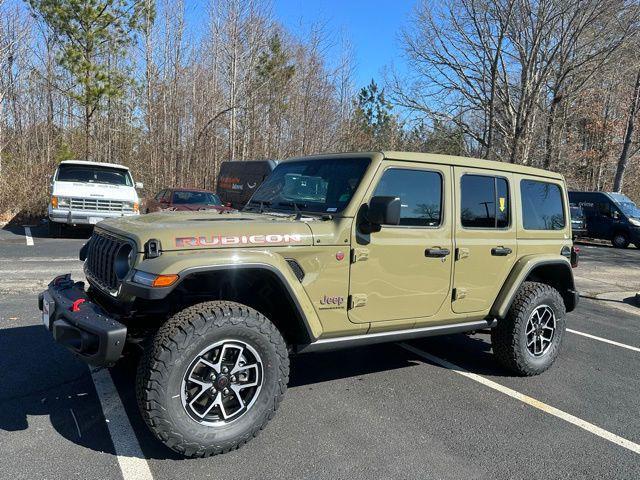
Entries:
{"x":100,"y":259}
{"x":100,"y":205}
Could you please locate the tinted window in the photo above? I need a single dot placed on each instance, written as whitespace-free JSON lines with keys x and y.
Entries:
{"x":484,"y":202}
{"x":420,"y":194}
{"x":541,"y":206}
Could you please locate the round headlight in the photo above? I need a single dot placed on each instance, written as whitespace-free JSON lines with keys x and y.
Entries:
{"x":122,"y":262}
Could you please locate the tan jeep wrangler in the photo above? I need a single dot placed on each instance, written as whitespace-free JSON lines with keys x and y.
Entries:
{"x":332,"y":251}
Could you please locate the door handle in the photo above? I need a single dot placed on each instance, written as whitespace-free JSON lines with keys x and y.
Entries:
{"x":501,"y":251}
{"x":436,"y":252}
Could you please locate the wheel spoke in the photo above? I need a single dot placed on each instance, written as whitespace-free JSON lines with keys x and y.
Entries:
{"x":239,"y":357}
{"x":202,"y":383}
{"x":207,"y":363}
{"x":210,"y":407}
{"x":223,"y":352}
{"x":255,"y":380}
{"x":220,"y":404}
{"x":529,"y":330}
{"x":236,"y":391}
{"x":196,"y":398}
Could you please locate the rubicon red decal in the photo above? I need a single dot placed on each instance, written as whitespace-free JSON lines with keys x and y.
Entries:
{"x":229,"y":240}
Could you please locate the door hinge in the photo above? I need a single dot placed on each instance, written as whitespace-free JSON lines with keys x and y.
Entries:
{"x":459,"y":293}
{"x":357,"y":300}
{"x":359,"y":255}
{"x":462,"y":253}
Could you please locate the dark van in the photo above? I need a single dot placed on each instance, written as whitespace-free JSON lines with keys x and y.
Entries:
{"x":610,"y":216}
{"x":238,"y":180}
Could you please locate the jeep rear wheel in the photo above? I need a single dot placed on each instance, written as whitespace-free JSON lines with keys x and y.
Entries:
{"x":527,"y":341}
{"x":212,"y":379}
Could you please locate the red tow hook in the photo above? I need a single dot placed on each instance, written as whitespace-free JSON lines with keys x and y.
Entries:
{"x":76,"y":305}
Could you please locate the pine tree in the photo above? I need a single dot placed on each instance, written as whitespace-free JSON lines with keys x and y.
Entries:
{"x":376,"y":125}
{"x":92,"y":34}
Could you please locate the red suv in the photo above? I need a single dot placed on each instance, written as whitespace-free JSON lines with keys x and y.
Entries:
{"x":185,"y":199}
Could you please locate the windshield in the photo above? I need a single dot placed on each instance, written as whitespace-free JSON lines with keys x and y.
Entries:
{"x":629,"y":209}
{"x":317,"y":186}
{"x":191,"y":198}
{"x":91,"y":174}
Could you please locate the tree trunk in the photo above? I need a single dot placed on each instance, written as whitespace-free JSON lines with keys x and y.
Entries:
{"x":628,"y":137}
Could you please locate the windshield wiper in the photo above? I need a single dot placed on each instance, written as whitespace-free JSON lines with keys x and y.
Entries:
{"x":296,"y":207}
{"x":261,"y":204}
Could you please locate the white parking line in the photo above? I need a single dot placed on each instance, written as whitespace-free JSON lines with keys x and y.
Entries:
{"x":617,"y":344}
{"x":130,"y":457}
{"x":578,"y":422}
{"x":27,"y":235}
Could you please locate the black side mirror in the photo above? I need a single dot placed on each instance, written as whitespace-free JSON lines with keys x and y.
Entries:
{"x":381,"y":211}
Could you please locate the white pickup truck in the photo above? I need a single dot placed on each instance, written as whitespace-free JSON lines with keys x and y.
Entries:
{"x":84,"y":193}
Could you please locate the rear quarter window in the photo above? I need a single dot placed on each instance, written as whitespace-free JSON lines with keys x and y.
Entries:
{"x":542,"y":205}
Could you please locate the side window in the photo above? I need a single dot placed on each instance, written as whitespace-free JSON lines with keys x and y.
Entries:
{"x":484,"y":202}
{"x":604,"y":209}
{"x":420,"y":194}
{"x":542,"y":206}
{"x":159,"y":195}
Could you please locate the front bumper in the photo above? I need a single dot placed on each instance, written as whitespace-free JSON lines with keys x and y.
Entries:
{"x":83,"y":217}
{"x":80,"y":324}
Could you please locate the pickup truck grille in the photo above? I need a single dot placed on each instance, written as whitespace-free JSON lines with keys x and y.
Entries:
{"x":99,"y":205}
{"x":99,"y":264}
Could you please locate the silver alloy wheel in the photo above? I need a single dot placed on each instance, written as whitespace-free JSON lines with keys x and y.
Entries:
{"x":540,"y":330}
{"x":222,"y":383}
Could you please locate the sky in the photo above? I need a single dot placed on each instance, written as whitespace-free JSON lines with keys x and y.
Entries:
{"x":371,"y":28}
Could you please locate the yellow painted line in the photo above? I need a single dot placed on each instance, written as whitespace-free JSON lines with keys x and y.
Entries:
{"x":605,"y":340}
{"x":567,"y":417}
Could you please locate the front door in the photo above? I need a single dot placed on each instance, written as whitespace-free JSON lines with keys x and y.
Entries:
{"x":485,"y":238}
{"x":403,"y":271}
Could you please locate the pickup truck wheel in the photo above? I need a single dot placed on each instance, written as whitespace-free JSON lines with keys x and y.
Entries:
{"x":528,"y":340}
{"x":54,"y":229}
{"x":212,"y":378}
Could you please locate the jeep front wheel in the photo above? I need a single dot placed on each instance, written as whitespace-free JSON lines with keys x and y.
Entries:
{"x":527,"y":341}
{"x":212,"y":379}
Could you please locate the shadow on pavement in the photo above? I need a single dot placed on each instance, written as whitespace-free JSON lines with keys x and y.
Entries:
{"x":41,"y":230}
{"x":40,"y":378}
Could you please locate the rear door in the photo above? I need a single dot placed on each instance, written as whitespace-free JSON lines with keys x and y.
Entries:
{"x":485,"y":237}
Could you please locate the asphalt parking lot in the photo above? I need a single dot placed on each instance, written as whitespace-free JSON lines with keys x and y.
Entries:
{"x":435,"y":408}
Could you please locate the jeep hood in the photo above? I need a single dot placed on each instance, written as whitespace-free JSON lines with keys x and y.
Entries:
{"x":208,"y":229}
{"x":95,"y":190}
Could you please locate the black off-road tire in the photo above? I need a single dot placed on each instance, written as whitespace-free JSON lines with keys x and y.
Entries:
{"x":174,"y":347}
{"x":509,"y":339}
{"x":620,"y":240}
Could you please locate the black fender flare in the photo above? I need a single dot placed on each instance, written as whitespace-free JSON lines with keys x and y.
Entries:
{"x":523,"y":269}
